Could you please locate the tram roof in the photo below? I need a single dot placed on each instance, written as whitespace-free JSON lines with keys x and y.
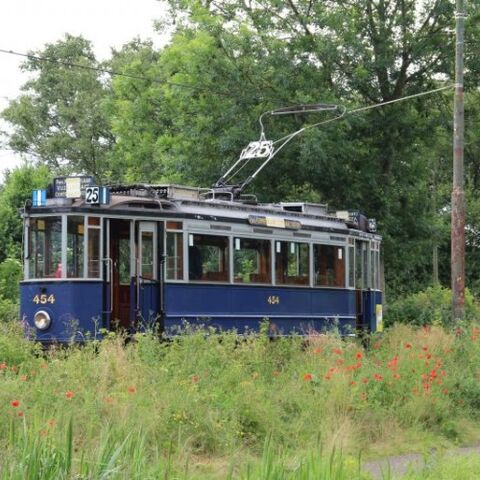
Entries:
{"x":191,"y":202}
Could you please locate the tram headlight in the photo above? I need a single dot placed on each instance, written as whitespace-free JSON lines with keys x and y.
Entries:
{"x":42,"y":320}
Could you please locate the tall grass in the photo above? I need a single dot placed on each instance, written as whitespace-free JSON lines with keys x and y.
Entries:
{"x":223,"y":406}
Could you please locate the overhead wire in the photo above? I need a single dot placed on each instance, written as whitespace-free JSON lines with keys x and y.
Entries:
{"x":115,"y":73}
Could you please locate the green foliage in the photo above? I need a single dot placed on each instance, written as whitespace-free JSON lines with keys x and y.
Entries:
{"x":17,"y":188}
{"x":58,"y":118}
{"x":432,"y":306}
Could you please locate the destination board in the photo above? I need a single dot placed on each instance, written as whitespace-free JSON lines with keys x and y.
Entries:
{"x":71,"y":187}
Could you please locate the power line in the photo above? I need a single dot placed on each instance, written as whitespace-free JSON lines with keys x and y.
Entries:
{"x":113,"y":73}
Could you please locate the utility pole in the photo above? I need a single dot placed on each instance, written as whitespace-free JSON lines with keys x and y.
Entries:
{"x":458,"y":193}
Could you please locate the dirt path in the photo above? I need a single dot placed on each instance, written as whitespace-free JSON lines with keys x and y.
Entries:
{"x":395,"y":467}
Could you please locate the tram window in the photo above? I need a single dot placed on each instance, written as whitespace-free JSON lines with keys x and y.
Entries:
{"x":147,"y":255}
{"x":329,"y":263}
{"x":75,"y":246}
{"x":93,"y":253}
{"x":291,"y":263}
{"x":208,"y":258}
{"x":351,"y":266}
{"x":252,"y":261}
{"x":174,"y":262}
{"x":45,"y":256}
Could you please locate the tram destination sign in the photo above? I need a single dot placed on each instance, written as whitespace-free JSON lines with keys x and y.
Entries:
{"x":71,"y":187}
{"x":274,"y":222}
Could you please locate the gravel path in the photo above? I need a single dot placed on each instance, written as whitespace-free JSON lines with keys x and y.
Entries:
{"x":395,"y":467}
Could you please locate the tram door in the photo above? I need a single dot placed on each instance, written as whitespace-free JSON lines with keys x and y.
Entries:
{"x":120,"y":255}
{"x":135,"y":294}
{"x":147,"y":272}
{"x":361,"y":277}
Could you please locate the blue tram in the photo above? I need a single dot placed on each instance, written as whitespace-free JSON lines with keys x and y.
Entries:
{"x":135,"y":256}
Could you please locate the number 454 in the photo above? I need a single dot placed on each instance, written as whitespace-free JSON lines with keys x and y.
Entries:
{"x":43,"y":299}
{"x":273,"y":300}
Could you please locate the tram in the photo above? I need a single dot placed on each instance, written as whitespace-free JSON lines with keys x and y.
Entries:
{"x":133,"y":257}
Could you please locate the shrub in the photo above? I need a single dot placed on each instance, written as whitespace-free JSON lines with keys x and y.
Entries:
{"x":432,"y":306}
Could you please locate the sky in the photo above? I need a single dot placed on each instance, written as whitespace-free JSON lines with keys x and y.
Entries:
{"x":29,"y":24}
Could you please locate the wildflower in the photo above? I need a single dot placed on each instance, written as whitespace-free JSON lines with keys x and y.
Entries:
{"x":445,"y":391}
{"x":52,"y":422}
{"x":408,"y":345}
{"x":433,"y":374}
{"x":443,"y":373}
{"x":308,"y":377}
{"x":393,"y":363}
{"x":359,"y":355}
{"x":353,"y":382}
{"x":328,"y":376}
{"x":108,"y":400}
{"x":15,"y":403}
{"x":195,"y":378}
{"x":339,"y":361}
{"x":378,"y":377}
{"x":425,"y":348}
{"x":24,"y":378}
{"x":3,"y":366}
{"x":365,"y":380}
{"x":396,"y":376}
{"x":69,"y":394}
{"x":43,"y":365}
{"x":14,"y":368}
{"x":131,"y":389}
{"x":318,"y":350}
{"x":377,"y":345}
{"x":20,"y":414}
{"x":337,"y":351}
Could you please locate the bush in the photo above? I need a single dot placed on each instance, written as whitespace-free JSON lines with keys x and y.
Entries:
{"x":432,"y":306}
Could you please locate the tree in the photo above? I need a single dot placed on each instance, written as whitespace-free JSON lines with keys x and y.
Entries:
{"x":58,"y":118}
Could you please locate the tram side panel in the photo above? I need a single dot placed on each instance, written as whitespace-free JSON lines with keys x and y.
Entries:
{"x":288,"y":310}
{"x":75,"y":310}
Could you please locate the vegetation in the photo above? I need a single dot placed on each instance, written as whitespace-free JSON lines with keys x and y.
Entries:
{"x":214,"y":406}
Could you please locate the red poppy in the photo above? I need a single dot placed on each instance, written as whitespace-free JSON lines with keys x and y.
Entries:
{"x":445,"y":391}
{"x":131,"y":389}
{"x":308,"y":377}
{"x":15,"y":403}
{"x":328,"y":376}
{"x":359,"y":355}
{"x":396,"y":376}
{"x":20,"y":414}
{"x":337,"y":351}
{"x":393,"y":363}
{"x":195,"y":379}
{"x":365,"y":380}
{"x":69,"y":394}
{"x":318,"y":350}
{"x":378,"y":377}
{"x":340,"y":361}
{"x":353,"y":382}
{"x":425,"y":348}
{"x":24,"y":378}
{"x":3,"y":366}
{"x":408,"y":345}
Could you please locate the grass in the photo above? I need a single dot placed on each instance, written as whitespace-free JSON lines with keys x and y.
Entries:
{"x":217,"y":406}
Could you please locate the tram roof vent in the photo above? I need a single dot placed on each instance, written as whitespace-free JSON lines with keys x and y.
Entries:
{"x":318,"y":209}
